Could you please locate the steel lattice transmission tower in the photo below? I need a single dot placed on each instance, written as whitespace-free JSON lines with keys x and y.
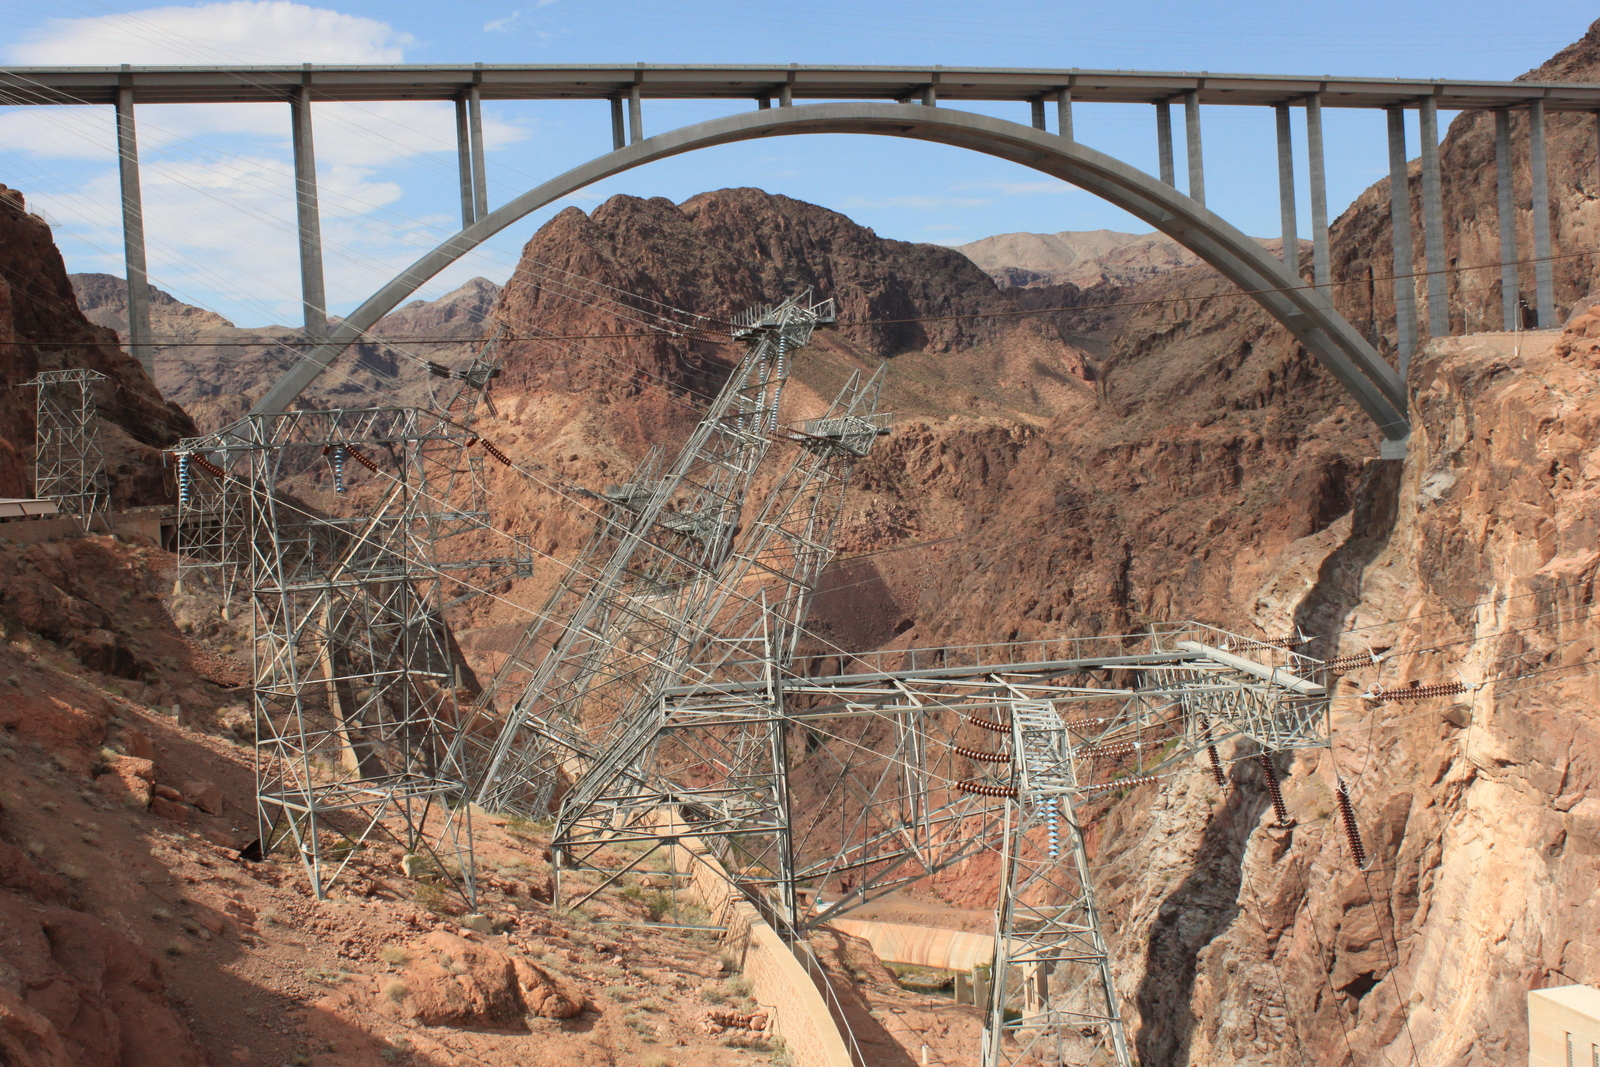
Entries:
{"x":622,"y":623}
{"x":358,"y":701}
{"x":69,"y":463}
{"x":715,"y":742}
{"x":916,"y":760}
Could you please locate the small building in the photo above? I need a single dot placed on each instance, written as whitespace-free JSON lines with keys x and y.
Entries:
{"x":1564,"y":1027}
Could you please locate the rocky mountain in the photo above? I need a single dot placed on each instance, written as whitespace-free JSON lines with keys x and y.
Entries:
{"x":42,"y":328}
{"x":1084,"y":258}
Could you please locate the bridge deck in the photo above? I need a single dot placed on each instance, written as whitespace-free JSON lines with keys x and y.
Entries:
{"x":171,"y":85}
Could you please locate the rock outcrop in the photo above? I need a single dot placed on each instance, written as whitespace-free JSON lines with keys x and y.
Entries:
{"x":42,"y":328}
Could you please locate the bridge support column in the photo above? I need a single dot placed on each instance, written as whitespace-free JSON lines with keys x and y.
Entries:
{"x":1405,"y":283}
{"x":1191,"y":133}
{"x":1164,"y":143}
{"x":785,"y":96}
{"x":1510,"y":285}
{"x":619,"y":133}
{"x":635,"y":116}
{"x":1539,"y":175}
{"x":313,"y":293}
{"x":930,"y":97}
{"x":1286,"y":214}
{"x":1064,"y":114}
{"x":138,"y":339}
{"x":469,"y":206}
{"x":1036,"y":112}
{"x":1321,"y":268}
{"x":480,"y":181}
{"x":1433,"y":221}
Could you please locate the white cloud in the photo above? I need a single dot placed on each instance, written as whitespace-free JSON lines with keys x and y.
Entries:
{"x":240,"y":31}
{"x":502,"y":25}
{"x":218,"y":194}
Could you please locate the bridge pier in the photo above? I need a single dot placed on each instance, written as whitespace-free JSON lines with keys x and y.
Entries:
{"x":1164,"y":143}
{"x":480,"y":178}
{"x":1286,"y":213}
{"x":308,"y":219}
{"x":1321,"y":266}
{"x":1433,"y":220}
{"x":1509,"y":284}
{"x":469,"y":211}
{"x":1064,"y":113}
{"x":1539,"y":176}
{"x":1191,"y":133}
{"x":635,"y":115}
{"x":1405,"y":283}
{"x":138,"y":275}
{"x":1036,"y":112}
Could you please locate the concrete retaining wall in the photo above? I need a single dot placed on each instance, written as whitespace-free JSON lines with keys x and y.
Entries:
{"x":921,"y":946}
{"x":778,"y":980}
{"x":148,"y":523}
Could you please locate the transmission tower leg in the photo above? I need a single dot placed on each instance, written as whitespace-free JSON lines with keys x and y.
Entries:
{"x":1052,"y":997}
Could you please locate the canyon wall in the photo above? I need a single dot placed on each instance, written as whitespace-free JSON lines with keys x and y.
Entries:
{"x":42,"y":328}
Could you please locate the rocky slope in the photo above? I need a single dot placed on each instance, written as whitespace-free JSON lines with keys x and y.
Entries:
{"x":42,"y":328}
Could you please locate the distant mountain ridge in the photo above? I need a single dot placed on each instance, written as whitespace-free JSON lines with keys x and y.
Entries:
{"x":216,"y":369}
{"x":1084,"y":258}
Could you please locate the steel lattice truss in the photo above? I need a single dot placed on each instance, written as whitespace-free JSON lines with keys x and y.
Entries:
{"x":358,"y":706}
{"x":584,"y":679}
{"x":69,"y":463}
{"x":918,"y":760}
{"x":718,"y":746}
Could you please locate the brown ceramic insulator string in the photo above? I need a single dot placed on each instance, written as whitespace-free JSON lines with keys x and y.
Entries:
{"x":1124,"y":783}
{"x":985,"y":789}
{"x":361,"y":458}
{"x":206,"y":465}
{"x":1347,"y":816}
{"x":494,"y":450}
{"x":979,"y":754}
{"x":1275,"y":791}
{"x":1211,"y":751}
{"x":1417,"y":692}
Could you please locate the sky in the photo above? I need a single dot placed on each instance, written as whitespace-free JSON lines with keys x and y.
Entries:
{"x":216,"y":178}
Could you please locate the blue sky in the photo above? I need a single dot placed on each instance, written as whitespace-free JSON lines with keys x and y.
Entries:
{"x":216,"y":177}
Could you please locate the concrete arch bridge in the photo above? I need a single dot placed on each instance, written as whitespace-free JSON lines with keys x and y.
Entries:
{"x":887,"y":101}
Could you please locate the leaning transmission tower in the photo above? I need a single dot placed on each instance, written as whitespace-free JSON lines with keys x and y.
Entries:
{"x":619,"y":627}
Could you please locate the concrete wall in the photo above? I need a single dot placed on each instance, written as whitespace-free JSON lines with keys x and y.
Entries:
{"x":1562,"y":1019}
{"x":921,"y":946}
{"x":778,"y":980}
{"x":147,"y":523}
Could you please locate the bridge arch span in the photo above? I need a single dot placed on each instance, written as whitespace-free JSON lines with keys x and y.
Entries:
{"x":1301,"y":308}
